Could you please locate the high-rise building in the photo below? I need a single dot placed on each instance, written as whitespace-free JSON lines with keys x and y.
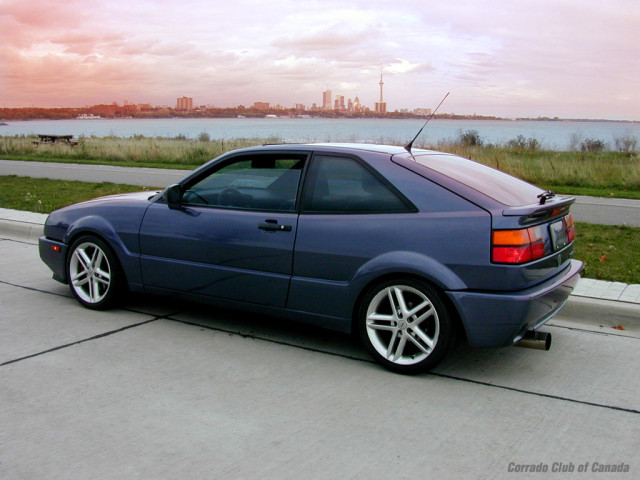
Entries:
{"x":184,"y":103}
{"x":381,"y":106}
{"x":326,"y":100}
{"x":339,"y":103}
{"x":356,"y":104}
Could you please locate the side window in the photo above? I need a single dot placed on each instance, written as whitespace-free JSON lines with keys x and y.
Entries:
{"x":342,"y":185}
{"x":259,"y":182}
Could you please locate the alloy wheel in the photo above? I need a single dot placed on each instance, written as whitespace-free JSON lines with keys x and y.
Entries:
{"x":90,"y":273}
{"x":402,"y":324}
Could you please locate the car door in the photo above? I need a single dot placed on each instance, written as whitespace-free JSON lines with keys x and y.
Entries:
{"x":232,"y":236}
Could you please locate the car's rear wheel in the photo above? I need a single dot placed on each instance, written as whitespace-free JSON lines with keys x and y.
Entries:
{"x":93,"y":273}
{"x":405,"y":325}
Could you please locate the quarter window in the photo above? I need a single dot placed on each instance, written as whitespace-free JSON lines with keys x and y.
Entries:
{"x":342,"y":185}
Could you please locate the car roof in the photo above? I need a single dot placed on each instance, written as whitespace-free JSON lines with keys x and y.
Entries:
{"x":340,"y":147}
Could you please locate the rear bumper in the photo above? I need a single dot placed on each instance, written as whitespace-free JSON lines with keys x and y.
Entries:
{"x":54,"y":253}
{"x":499,"y":319}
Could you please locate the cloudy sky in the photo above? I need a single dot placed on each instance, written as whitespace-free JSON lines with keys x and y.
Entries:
{"x":566,"y":58}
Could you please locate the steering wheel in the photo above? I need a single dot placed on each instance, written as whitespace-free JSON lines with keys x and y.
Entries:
{"x":232,"y":197}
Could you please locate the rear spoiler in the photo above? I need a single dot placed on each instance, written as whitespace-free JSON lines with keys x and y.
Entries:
{"x":555,"y":207}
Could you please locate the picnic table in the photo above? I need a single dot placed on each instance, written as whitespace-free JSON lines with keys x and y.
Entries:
{"x":52,"y":139}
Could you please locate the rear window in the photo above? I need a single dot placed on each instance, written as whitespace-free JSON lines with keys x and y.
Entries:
{"x":500,"y":186}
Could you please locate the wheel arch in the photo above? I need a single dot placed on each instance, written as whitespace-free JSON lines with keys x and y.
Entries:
{"x":408,"y":265}
{"x":100,"y":228}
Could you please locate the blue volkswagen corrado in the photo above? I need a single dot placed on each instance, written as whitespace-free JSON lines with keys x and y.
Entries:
{"x":404,"y":248}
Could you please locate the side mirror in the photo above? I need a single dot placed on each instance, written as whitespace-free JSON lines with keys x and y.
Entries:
{"x":173,"y":196}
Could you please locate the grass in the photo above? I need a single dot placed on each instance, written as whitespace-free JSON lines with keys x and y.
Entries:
{"x":593,"y":191}
{"x":42,"y":195}
{"x":138,"y":151}
{"x":610,"y":253}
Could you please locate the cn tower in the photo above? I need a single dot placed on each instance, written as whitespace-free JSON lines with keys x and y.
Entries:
{"x":381,"y":107}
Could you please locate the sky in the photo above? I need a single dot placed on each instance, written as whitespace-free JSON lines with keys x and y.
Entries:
{"x":555,"y":58}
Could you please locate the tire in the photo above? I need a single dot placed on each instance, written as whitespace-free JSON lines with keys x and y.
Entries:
{"x":405,"y":325}
{"x":94,"y":273}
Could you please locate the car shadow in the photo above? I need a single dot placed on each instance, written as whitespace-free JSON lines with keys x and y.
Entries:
{"x":463,"y":361}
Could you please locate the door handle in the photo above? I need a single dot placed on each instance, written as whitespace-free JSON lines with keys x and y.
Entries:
{"x":273,"y":226}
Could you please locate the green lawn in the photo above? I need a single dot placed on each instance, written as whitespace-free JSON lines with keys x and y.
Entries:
{"x":609,"y":253}
{"x":44,"y":196}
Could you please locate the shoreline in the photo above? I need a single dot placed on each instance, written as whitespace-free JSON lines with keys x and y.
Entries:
{"x":449,"y":117}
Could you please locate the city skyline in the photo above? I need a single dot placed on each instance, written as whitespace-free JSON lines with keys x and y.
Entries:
{"x":552,"y":58}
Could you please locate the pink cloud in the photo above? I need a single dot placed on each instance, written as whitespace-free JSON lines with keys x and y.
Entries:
{"x":497,"y":58}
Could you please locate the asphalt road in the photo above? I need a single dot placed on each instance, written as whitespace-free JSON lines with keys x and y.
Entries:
{"x":163,"y":390}
{"x":604,"y":211}
{"x":149,"y":177}
{"x":607,"y":211}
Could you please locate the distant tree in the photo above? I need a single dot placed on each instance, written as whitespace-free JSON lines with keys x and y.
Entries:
{"x":470,"y":138}
{"x":593,"y":145}
{"x":626,"y":144}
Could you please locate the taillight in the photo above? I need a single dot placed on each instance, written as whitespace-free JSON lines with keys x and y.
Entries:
{"x":517,"y":246}
{"x":571,"y":229}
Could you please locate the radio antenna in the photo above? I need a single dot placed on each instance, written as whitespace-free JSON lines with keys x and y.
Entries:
{"x":408,"y":146}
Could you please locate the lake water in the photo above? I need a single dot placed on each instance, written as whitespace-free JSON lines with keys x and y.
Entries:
{"x":557,"y":135}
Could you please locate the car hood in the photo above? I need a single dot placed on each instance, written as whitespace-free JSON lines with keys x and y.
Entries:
{"x":120,"y":212}
{"x":120,"y":197}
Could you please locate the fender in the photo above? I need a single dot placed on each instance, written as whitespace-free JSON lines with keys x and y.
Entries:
{"x":310,"y":294}
{"x":101,"y":227}
{"x":408,"y":263}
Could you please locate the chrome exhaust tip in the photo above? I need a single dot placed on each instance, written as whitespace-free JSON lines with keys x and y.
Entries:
{"x":535,"y":339}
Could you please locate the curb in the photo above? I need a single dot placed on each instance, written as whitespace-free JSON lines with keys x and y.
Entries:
{"x":602,"y":314}
{"x":29,"y":226}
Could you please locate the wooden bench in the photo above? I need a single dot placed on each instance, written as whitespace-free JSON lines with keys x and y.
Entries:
{"x":53,"y":139}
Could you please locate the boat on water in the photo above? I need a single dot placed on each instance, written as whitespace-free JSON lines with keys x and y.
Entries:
{"x":88,"y":116}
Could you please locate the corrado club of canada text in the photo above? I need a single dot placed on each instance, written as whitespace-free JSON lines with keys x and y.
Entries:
{"x":562,"y":467}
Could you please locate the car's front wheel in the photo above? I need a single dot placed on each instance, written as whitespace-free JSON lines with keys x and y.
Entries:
{"x":405,"y":325}
{"x":93,"y":273}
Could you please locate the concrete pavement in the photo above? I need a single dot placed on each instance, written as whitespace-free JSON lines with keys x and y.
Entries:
{"x":605,"y":211}
{"x":159,"y":390}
